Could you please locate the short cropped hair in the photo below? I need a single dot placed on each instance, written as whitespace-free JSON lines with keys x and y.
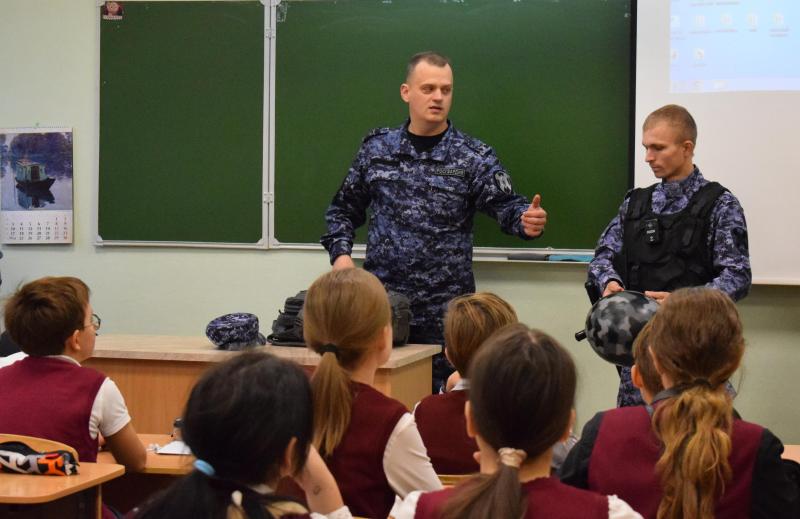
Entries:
{"x":42,"y":314}
{"x":430,"y":57}
{"x":676,"y":116}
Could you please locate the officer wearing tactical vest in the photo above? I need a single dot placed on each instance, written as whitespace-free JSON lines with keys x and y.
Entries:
{"x":423,"y":183}
{"x":683,"y":231}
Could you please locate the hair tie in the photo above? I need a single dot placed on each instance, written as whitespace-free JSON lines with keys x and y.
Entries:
{"x":701,"y":382}
{"x":511,"y":457}
{"x":329,"y":348}
{"x":204,"y":467}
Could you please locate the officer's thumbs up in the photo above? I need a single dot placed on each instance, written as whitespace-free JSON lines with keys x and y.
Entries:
{"x":534,"y":218}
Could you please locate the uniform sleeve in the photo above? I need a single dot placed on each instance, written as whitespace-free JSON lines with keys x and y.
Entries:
{"x":494,"y":195}
{"x":619,"y":509}
{"x":405,"y":460}
{"x":109,"y":412}
{"x":348,"y":209}
{"x":775,"y":495}
{"x":575,"y":470}
{"x":340,"y":513}
{"x":601,"y":268}
{"x":729,"y":243}
{"x":407,"y":508}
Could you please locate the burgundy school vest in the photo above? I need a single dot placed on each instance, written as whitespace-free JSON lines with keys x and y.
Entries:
{"x":625,"y":453}
{"x":357,"y":462}
{"x":50,"y":398}
{"x":441,"y":423}
{"x":548,"y":498}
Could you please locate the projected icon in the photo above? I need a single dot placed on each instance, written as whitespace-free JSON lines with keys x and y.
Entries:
{"x":674,"y":22}
{"x":673,"y":55}
{"x":726,"y":19}
{"x":752,"y":21}
{"x":699,"y":54}
{"x":700,"y":21}
{"x":778,"y":20}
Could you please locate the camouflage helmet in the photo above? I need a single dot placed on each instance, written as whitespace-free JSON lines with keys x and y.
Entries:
{"x":614,"y":322}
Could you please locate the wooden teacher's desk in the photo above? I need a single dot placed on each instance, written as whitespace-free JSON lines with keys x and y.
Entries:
{"x":155,"y":373}
{"x":34,"y":496}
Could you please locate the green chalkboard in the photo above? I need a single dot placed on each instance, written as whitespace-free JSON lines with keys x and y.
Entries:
{"x":181,"y":123}
{"x":548,"y":84}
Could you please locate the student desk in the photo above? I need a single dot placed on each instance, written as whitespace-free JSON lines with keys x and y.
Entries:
{"x":160,"y":471}
{"x":79,"y":495}
{"x":156,"y":372}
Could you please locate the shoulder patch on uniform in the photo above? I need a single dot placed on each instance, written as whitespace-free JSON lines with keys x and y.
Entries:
{"x":476,"y":145}
{"x":375,"y":132}
{"x":503,"y":182}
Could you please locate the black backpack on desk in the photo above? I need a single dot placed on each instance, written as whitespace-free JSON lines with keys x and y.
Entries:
{"x":287,"y":329}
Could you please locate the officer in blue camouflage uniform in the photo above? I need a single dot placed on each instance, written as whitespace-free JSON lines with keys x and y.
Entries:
{"x":662,"y":214}
{"x":423,"y":183}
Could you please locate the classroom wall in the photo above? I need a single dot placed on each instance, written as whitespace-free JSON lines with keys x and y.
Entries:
{"x":49,"y":78}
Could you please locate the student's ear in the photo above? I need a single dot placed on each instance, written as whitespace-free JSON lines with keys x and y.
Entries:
{"x":72,"y":345}
{"x":570,"y":426}
{"x":471,"y":429}
{"x":636,"y":377}
{"x":287,"y":467}
{"x":688,"y":147}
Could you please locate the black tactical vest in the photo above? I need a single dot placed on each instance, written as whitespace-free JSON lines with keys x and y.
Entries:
{"x":665,"y":252}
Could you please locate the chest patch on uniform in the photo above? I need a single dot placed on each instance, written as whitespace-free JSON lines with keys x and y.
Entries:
{"x":450,"y":172}
{"x":503,"y":182}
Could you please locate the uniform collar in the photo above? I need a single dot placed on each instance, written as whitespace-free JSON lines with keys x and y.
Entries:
{"x":687,"y":186}
{"x":438,"y":153}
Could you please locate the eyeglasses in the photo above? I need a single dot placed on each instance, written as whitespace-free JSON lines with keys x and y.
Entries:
{"x":96,"y":322}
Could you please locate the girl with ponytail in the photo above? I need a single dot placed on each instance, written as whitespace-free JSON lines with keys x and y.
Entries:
{"x":369,"y":441}
{"x":248,"y":421}
{"x":688,"y":455}
{"x":522,"y":386}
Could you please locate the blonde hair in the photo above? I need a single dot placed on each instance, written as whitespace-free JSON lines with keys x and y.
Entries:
{"x":697,"y":341}
{"x":469,"y":321}
{"x":349,"y":309}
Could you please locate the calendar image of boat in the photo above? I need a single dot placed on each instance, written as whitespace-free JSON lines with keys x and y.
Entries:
{"x":32,"y":175}
{"x":34,"y":196}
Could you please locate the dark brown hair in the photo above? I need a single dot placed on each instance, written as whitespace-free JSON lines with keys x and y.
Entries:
{"x":42,"y":314}
{"x":697,"y":341}
{"x":347,"y":308}
{"x":676,"y":116}
{"x":644,"y":362}
{"x":522,"y":388}
{"x":428,"y":56}
{"x":469,"y":321}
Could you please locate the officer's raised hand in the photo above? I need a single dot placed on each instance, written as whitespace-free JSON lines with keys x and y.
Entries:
{"x":534,"y":218}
